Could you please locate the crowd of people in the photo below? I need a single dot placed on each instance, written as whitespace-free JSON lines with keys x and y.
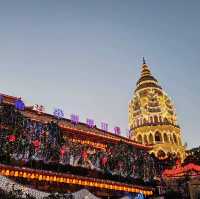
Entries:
{"x":25,"y":140}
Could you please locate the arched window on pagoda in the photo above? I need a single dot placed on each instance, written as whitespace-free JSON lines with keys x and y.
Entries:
{"x":165,"y":138}
{"x":151,"y":119}
{"x":151,"y":138}
{"x":160,"y":119}
{"x":171,"y":139}
{"x":139,"y":139}
{"x":145,"y":139}
{"x":138,"y":122}
{"x":166,"y":120}
{"x":175,"y":139}
{"x":156,"y":119}
{"x":158,"y":137}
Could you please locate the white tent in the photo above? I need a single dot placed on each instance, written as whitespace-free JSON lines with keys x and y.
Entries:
{"x":84,"y":194}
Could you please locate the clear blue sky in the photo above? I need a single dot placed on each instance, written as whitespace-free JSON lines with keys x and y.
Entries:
{"x":85,"y":56}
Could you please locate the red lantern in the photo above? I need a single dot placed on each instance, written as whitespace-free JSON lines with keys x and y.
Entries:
{"x":11,"y":138}
{"x":84,"y":155}
{"x":104,"y":160}
{"x":62,"y":152}
{"x":36,"y":144}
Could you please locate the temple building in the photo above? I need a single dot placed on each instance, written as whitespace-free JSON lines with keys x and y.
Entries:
{"x":152,"y":118}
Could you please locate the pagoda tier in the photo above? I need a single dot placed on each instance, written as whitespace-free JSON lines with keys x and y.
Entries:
{"x":40,"y":141}
{"x":152,"y":117}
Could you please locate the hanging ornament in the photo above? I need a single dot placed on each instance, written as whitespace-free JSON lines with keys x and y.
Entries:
{"x":104,"y":160}
{"x":36,"y":144}
{"x":62,"y":152}
{"x":11,"y":138}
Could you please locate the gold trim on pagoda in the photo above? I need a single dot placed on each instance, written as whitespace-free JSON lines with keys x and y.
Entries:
{"x":152,"y":118}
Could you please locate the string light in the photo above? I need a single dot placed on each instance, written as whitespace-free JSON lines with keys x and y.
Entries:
{"x":53,"y":177}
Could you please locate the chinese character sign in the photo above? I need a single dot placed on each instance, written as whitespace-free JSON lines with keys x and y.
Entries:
{"x":104,"y":126}
{"x":117,"y":130}
{"x":90,"y":123}
{"x":58,"y":113}
{"x":128,"y":133}
{"x":74,"y":118}
{"x":19,"y":104}
{"x":1,"y":99}
{"x":39,"y":108}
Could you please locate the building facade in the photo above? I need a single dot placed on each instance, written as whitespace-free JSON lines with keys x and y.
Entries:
{"x":152,"y":118}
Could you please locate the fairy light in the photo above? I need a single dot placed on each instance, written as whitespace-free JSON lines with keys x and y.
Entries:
{"x":52,"y":177}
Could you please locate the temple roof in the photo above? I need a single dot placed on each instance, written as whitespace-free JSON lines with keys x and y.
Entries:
{"x":146,"y":78}
{"x":149,"y":99}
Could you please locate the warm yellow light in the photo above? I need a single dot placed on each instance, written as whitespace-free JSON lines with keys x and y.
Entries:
{"x":32,"y":176}
{"x":7,"y":173}
{"x":54,"y":179}
{"x":16,"y":174}
{"x":40,"y":177}
{"x":24,"y":175}
{"x":12,"y":173}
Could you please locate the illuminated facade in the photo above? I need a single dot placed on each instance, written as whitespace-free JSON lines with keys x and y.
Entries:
{"x":50,"y":153}
{"x":152,"y":117}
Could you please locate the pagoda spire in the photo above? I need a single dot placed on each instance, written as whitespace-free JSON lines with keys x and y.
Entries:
{"x":144,"y":61}
{"x":145,"y":71}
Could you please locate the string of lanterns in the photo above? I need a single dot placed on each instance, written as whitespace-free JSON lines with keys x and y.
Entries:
{"x":33,"y":174}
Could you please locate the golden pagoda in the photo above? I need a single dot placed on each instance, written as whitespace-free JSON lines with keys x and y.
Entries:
{"x":152,"y":118}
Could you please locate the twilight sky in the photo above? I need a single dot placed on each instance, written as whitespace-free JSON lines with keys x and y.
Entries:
{"x":85,"y":56}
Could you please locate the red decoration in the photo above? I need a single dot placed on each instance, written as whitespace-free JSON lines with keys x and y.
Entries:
{"x":11,"y":138}
{"x":62,"y":152}
{"x":84,"y":155}
{"x":104,"y":160}
{"x":36,"y":144}
{"x":181,"y":170}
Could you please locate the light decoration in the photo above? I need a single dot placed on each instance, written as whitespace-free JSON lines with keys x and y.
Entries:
{"x":11,"y":138}
{"x":58,"y":113}
{"x":180,"y":171}
{"x":33,"y":174}
{"x":19,"y":105}
{"x":39,"y":108}
{"x":108,"y":136}
{"x":74,"y":118}
{"x":117,"y":130}
{"x":90,"y":123}
{"x":36,"y":144}
{"x":104,"y":126}
{"x":87,"y":142}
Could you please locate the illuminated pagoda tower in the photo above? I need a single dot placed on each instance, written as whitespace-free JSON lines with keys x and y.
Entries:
{"x":152,"y":118}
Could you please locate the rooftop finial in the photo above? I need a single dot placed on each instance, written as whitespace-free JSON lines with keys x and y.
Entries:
{"x":144,"y":61}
